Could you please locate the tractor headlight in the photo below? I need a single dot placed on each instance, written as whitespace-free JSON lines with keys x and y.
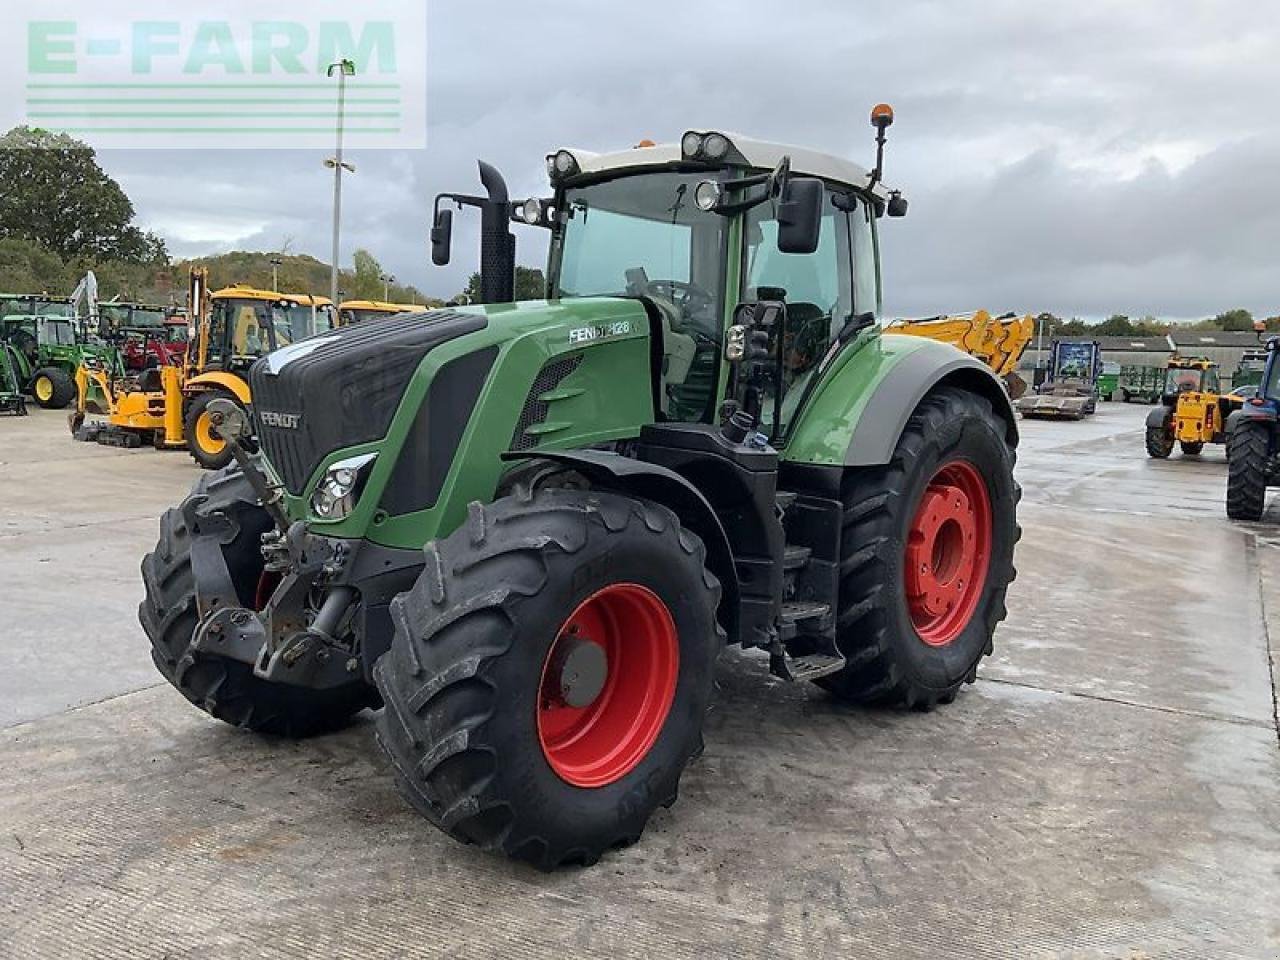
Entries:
{"x":339,"y":489}
{"x":531,"y":212}
{"x":715,"y":146}
{"x":562,"y":164}
{"x":735,"y":347}
{"x":707,"y":195}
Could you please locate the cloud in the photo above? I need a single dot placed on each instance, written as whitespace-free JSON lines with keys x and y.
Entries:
{"x":1084,"y":158}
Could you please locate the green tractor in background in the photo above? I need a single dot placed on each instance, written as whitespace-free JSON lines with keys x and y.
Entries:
{"x":48,"y":344}
{"x":12,"y":399}
{"x":526,"y":530}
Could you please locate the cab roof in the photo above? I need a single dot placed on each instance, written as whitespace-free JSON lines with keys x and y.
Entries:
{"x":238,"y":292}
{"x":746,"y":152}
{"x":380,"y":305}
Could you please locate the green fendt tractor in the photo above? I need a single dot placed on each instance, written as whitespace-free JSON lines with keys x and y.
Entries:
{"x":527,"y":529}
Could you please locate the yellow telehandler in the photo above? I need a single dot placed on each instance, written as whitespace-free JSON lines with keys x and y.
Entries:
{"x":999,"y":342}
{"x":1193,"y":411}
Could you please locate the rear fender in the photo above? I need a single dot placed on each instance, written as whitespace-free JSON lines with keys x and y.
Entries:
{"x":860,"y":410}
{"x":612,"y":471}
{"x":1158,"y":419}
{"x":1265,"y":414}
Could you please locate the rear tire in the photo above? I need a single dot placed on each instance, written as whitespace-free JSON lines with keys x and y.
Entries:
{"x":468,"y":716}
{"x":223,"y":688}
{"x":956,"y":436}
{"x":53,"y":388}
{"x":1191,"y":449}
{"x":209,"y":451}
{"x":1247,"y":453}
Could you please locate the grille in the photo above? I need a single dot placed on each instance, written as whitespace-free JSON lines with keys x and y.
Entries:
{"x":535,"y":410}
{"x":346,"y":388}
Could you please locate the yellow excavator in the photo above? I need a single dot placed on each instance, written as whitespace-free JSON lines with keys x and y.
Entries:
{"x":167,"y":405}
{"x":357,"y":311}
{"x":999,"y":342}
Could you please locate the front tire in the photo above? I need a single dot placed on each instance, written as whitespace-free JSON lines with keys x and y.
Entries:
{"x":1247,"y":450}
{"x":549,"y":674}
{"x":224,"y":688}
{"x":927,"y":556}
{"x":53,"y":388}
{"x":206,"y":448}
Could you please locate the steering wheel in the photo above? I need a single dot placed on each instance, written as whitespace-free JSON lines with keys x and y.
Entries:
{"x":686,"y":296}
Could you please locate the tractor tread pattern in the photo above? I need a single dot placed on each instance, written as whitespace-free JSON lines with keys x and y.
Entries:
{"x":871,"y":499}
{"x":434,"y":680}
{"x":1247,"y":451}
{"x":223,"y":688}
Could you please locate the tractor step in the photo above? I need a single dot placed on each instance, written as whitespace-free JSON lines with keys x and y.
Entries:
{"x":795,"y":557}
{"x":813,"y":665}
{"x":802,"y":611}
{"x":784,"y":499}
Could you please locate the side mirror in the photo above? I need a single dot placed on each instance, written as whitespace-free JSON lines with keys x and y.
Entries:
{"x":800,"y":215}
{"x":442,"y":237}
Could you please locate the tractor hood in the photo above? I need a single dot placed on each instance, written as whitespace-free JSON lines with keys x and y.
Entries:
{"x":342,"y":388}
{"x":407,"y":384}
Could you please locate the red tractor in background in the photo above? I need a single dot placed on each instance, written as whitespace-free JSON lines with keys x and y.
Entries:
{"x":148,"y":335}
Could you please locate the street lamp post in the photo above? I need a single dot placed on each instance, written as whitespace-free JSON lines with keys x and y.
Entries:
{"x":342,"y":69}
{"x":275,"y":274}
{"x":387,"y":280}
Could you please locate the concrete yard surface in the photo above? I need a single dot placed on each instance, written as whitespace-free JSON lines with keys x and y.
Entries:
{"x":1109,"y":788}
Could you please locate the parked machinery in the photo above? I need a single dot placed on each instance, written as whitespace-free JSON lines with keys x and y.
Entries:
{"x":1142,"y":382}
{"x":1193,"y":410}
{"x":1070,"y":390}
{"x":12,"y":399}
{"x":1249,"y":369}
{"x":167,"y":405}
{"x":528,"y":528}
{"x":357,"y":311}
{"x":1253,"y":444}
{"x":49,"y":344}
{"x":999,"y":342}
{"x":147,"y":334}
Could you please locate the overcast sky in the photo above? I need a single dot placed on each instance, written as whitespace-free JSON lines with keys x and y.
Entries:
{"x":1085,"y":158}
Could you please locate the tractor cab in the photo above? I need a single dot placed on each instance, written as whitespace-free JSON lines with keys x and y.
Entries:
{"x":698,"y":232}
{"x":29,"y":332}
{"x":244,"y":324}
{"x":1191,"y":376}
{"x":34,"y":304}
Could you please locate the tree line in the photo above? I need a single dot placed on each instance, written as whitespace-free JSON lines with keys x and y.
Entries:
{"x":61,"y":215}
{"x":1237,"y":320}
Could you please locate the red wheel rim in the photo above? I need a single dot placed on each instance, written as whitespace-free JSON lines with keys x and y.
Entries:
{"x":607,"y":685}
{"x":948,"y":552}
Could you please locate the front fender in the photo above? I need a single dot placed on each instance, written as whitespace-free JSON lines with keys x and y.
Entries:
{"x":860,"y":410}
{"x":1159,"y":417}
{"x":654,"y":482}
{"x":218,"y":380}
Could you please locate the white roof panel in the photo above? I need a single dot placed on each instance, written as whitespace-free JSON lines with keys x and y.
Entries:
{"x":759,"y":154}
